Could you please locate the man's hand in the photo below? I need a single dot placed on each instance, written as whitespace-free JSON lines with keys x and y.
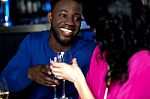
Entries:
{"x":41,"y":74}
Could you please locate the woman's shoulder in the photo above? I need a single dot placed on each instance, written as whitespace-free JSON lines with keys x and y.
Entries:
{"x":141,"y":56}
{"x":96,"y":52}
{"x":97,"y":57}
{"x":140,"y":61}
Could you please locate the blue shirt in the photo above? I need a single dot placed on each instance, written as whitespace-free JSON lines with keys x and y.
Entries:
{"x":34,"y":50}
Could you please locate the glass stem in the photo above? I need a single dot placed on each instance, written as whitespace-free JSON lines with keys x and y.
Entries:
{"x":63,"y":90}
{"x":55,"y":95}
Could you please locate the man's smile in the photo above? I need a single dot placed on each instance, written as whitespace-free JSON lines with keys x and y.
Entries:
{"x":67,"y":32}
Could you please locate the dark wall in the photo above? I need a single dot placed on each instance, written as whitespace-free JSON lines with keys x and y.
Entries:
{"x":9,"y":44}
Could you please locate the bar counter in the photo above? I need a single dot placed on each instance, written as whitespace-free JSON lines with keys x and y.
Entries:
{"x":25,"y":28}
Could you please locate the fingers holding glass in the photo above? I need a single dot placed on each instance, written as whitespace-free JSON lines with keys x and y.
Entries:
{"x":63,"y":71}
{"x":40,"y":74}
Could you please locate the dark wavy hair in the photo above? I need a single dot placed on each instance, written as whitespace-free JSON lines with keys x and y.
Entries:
{"x":122,"y":28}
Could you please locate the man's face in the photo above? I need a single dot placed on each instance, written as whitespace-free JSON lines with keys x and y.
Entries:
{"x":66,"y":21}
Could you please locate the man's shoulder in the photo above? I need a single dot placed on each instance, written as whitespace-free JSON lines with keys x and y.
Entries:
{"x":38,"y":34}
{"x":86,"y":43}
{"x":85,"y":46}
{"x":34,"y":38}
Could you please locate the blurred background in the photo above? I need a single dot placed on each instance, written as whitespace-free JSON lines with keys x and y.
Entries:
{"x":19,"y":12}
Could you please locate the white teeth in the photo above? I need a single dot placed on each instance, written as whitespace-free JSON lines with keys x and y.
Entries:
{"x":65,"y":30}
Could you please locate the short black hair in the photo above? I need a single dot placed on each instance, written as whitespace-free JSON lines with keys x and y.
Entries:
{"x":54,"y":2}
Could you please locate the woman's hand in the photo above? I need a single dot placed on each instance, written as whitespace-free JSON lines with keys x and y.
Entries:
{"x":65,"y":71}
{"x":74,"y":74}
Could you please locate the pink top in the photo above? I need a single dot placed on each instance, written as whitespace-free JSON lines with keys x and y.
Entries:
{"x":136,"y":87}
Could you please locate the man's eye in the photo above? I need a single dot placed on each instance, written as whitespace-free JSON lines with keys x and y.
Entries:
{"x":77,"y":18}
{"x":63,"y":15}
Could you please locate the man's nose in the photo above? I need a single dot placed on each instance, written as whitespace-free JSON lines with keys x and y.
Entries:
{"x":70,"y":21}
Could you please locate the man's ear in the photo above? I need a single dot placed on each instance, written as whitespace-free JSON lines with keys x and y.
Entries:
{"x":49,"y":16}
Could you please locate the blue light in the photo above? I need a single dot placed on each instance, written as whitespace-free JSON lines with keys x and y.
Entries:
{"x":7,"y":8}
{"x":47,"y":6}
{"x":6,"y":11}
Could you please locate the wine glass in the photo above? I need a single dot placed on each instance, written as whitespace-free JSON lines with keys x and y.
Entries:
{"x":4,"y":92}
{"x":53,"y":77}
{"x":58,"y":58}
{"x":67,"y":58}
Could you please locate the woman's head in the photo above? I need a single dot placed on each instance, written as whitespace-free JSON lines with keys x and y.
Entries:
{"x":122,"y":28}
{"x":121,"y":20}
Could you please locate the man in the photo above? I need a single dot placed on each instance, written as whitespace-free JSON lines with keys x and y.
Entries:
{"x":26,"y":69}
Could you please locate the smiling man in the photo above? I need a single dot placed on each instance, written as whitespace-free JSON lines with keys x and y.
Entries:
{"x":26,"y":70}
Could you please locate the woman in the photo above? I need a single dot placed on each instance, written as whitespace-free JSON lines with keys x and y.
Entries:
{"x":120,"y":65}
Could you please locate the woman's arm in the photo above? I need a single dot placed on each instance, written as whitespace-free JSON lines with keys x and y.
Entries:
{"x":73,"y":74}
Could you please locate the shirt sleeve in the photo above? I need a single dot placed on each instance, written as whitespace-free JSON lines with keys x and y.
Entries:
{"x":17,"y":69}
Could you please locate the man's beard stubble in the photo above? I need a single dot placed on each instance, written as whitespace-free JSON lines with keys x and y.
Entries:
{"x":63,"y":42}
